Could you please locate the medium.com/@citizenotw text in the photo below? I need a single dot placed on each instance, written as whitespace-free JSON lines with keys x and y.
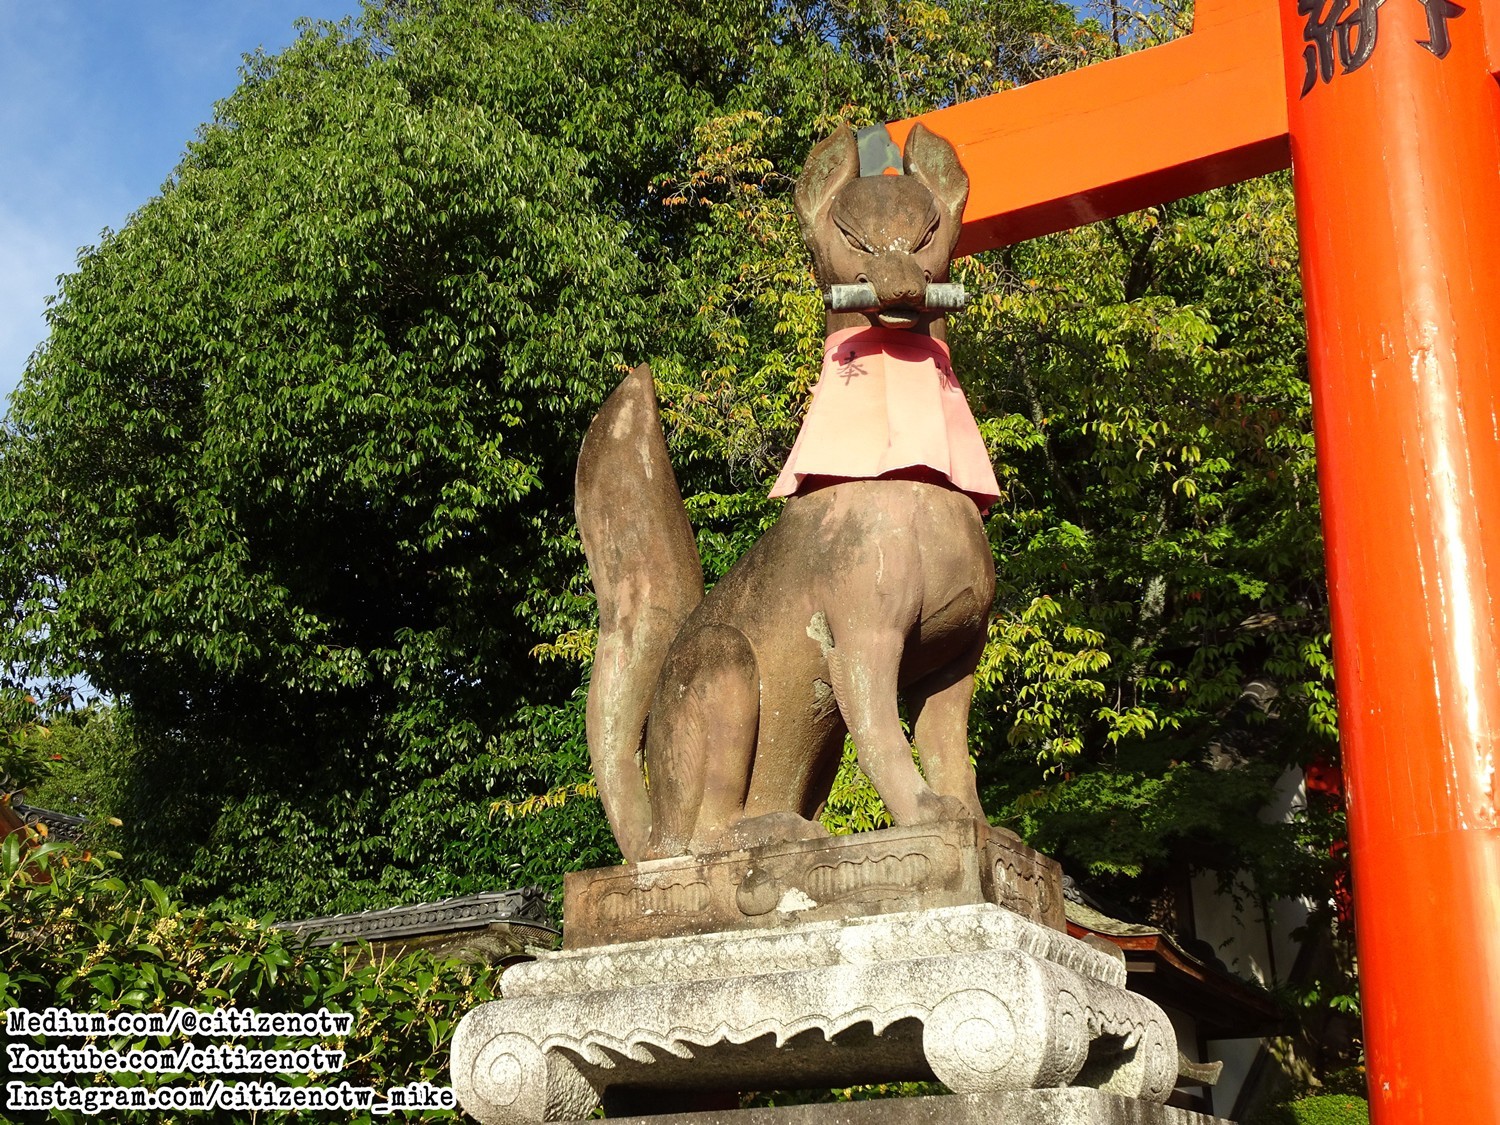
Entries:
{"x":208,"y":1062}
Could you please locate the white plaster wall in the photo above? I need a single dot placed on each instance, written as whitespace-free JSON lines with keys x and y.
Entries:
{"x":1254,"y":943}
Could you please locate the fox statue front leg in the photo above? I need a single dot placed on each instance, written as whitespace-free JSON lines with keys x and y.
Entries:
{"x":939,"y":705}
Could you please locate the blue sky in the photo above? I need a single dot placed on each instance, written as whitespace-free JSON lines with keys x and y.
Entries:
{"x":98,"y":99}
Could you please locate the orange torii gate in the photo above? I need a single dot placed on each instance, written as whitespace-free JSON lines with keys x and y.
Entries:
{"x":1388,"y":112}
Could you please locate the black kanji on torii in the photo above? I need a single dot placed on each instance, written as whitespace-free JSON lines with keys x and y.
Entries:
{"x":1347,"y":35}
{"x":1439,"y":12}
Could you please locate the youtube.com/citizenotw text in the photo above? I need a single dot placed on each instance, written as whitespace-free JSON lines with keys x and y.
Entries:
{"x":212,"y":1060}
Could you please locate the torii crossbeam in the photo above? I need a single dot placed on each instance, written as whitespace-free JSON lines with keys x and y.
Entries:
{"x":1388,"y":112}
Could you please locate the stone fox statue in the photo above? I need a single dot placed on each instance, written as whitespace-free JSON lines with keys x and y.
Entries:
{"x":877,"y":579}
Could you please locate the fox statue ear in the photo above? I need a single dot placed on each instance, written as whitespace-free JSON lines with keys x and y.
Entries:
{"x":831,"y":165}
{"x":933,"y":163}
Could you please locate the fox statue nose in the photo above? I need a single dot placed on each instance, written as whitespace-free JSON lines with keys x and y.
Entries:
{"x":938,"y":297}
{"x":906,"y":296}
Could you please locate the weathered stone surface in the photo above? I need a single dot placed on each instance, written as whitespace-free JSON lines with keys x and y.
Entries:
{"x":1012,"y":1107}
{"x":951,"y":863}
{"x":725,"y":955}
{"x":975,"y":996}
{"x":524,"y":907}
{"x":494,"y":927}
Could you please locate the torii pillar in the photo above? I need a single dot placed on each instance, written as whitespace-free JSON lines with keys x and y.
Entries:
{"x":1389,"y":112}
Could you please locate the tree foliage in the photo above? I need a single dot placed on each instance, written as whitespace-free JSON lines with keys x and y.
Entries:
{"x":291,"y":477}
{"x":1162,"y":649}
{"x":290,"y":474}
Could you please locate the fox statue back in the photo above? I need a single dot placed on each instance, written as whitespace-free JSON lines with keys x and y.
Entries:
{"x":875,"y":583}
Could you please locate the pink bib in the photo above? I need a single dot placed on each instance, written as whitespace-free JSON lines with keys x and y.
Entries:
{"x":888,"y":400}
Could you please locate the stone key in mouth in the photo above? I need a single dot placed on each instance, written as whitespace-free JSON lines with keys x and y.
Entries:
{"x":939,"y":297}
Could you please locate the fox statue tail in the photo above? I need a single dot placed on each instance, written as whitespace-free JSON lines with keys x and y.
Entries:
{"x":648,"y":577}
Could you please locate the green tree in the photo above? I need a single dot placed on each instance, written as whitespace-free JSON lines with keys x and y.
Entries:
{"x":291,"y":476}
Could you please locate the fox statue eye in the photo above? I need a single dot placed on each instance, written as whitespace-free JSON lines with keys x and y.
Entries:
{"x":854,"y":241}
{"x":927,"y":236}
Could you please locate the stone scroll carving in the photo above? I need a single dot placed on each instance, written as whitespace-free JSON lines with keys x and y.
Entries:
{"x":975,"y":996}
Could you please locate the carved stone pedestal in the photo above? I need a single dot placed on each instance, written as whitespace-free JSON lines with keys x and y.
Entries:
{"x":980,"y":998}
{"x":953,"y":863}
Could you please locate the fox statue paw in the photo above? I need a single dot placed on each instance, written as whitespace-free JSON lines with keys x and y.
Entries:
{"x":932,"y":807}
{"x":757,"y":831}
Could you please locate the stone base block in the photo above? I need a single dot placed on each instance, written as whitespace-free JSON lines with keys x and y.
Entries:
{"x":956,"y":863}
{"x":975,"y":996}
{"x":1072,"y":1106}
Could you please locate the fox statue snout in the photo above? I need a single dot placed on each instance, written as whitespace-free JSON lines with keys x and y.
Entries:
{"x":874,"y":585}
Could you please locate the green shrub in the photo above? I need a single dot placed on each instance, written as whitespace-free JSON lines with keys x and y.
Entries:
{"x":1319,"y":1109}
{"x":1331,"y":1109}
{"x":72,"y":936}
